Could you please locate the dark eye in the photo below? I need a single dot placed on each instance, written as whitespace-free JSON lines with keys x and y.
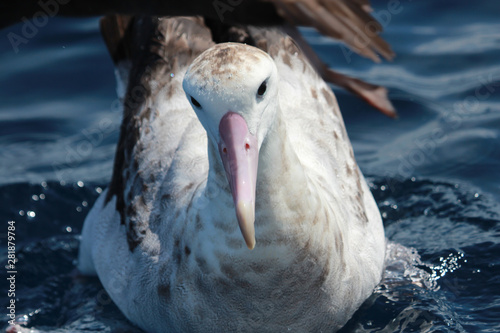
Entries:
{"x":195,"y":102}
{"x":262,"y":89}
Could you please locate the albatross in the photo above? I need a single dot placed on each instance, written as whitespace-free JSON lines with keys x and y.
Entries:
{"x":236,"y":204}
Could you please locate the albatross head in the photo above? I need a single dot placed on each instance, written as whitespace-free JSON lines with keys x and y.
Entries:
{"x":233,"y":90}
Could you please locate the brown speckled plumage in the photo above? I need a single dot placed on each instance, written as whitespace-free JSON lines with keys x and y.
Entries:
{"x":178,"y":250}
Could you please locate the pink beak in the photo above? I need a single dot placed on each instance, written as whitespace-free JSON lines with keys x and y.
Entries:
{"x":240,"y":155}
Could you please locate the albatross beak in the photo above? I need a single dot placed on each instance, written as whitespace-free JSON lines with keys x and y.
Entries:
{"x":240,"y":156}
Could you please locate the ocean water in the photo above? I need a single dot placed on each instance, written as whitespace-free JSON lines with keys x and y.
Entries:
{"x":435,"y":171}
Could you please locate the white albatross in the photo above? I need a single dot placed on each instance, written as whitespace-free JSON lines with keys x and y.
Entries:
{"x":256,"y":157}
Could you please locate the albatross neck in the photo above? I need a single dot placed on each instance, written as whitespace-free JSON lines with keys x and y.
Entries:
{"x":284,"y":202}
{"x":281,"y":179}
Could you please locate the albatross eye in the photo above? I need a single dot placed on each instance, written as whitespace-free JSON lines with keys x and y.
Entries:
{"x":195,"y":102}
{"x":262,"y":89}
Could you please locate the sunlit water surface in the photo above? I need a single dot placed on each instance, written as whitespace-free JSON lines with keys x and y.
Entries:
{"x":434,"y":172}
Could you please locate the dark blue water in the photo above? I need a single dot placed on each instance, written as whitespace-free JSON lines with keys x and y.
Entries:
{"x":435,"y":172}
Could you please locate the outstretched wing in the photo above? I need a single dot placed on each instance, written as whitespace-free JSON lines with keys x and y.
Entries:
{"x":347,"y":20}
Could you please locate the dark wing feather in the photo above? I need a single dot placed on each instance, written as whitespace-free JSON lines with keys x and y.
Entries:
{"x":374,"y":95}
{"x":116,"y":35}
{"x":153,"y":46}
{"x":347,"y":20}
